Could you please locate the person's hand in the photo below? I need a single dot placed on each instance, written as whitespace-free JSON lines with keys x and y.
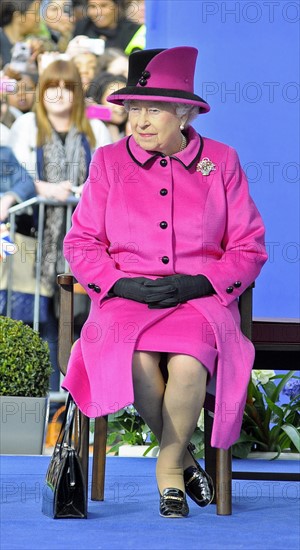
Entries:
{"x":135,"y":289}
{"x":36,"y":46}
{"x":83,"y":44}
{"x":75,"y":46}
{"x":78,"y":190}
{"x":187,"y":287}
{"x":63,"y":24}
{"x":56,"y":191}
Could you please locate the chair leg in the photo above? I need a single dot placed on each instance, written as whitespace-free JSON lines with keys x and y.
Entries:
{"x":223,"y":485}
{"x":99,"y":458}
{"x":210,"y":452}
{"x":84,"y":448}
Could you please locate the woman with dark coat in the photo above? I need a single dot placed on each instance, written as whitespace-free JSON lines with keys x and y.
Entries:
{"x":164,"y":240}
{"x":105,"y":20}
{"x":18,"y":19}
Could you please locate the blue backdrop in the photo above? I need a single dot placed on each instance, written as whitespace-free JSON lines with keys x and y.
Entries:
{"x":248,"y":71}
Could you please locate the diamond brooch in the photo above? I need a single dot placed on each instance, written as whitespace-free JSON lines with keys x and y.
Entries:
{"x":205,"y":166}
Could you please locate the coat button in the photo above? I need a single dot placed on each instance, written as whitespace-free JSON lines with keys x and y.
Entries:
{"x":229,"y":290}
{"x":164,"y":192}
{"x":165,"y":260}
{"x":97,"y":289}
{"x":146,"y":74}
{"x":237,"y":284}
{"x":163,"y":162}
{"x":91,"y":285}
{"x":163,"y":225}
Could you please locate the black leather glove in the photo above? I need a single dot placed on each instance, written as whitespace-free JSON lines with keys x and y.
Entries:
{"x":135,"y":289}
{"x":188,"y":287}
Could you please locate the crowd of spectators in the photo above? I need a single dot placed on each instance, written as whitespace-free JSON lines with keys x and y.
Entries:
{"x":59,"y":61}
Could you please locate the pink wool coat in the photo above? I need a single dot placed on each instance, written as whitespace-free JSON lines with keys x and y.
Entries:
{"x":213,"y":228}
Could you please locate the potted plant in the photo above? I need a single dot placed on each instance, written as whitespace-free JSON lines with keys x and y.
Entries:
{"x":268,"y":425}
{"x":25,"y":370}
{"x":129,"y":435}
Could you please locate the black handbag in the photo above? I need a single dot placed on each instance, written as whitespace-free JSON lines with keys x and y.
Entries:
{"x":64,"y":494}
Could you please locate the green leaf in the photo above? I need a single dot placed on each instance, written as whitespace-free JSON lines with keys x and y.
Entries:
{"x":275,"y":409}
{"x":293,"y":434}
{"x":295,"y":402}
{"x":115,"y":448}
{"x":260,"y":436}
{"x":251,"y":390}
{"x":292,"y":417}
{"x":284,"y":441}
{"x":242,"y":449}
{"x":198,"y":440}
{"x":243,"y":446}
{"x":112,"y":438}
{"x":274,"y":397}
{"x":150,"y":447}
{"x":274,"y":436}
{"x":278,"y":449}
{"x":269,"y":388}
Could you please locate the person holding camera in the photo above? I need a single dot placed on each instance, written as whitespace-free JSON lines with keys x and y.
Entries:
{"x":105,"y":19}
{"x":20,"y":19}
{"x":115,"y":116}
{"x":57,"y":24}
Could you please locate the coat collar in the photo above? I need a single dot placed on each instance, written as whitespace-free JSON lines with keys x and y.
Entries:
{"x":189,"y":156}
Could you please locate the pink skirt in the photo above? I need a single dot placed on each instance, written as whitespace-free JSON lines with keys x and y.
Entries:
{"x":184,"y":331}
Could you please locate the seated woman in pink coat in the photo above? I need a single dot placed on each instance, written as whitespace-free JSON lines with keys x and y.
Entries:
{"x":164,"y":240}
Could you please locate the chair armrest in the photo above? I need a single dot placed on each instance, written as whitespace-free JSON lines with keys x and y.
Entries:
{"x":245,"y":307}
{"x":65,"y":321}
{"x":65,"y":279}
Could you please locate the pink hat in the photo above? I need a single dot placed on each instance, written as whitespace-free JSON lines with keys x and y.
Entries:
{"x":161,"y":75}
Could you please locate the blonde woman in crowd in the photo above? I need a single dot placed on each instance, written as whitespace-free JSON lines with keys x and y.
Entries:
{"x":58,"y":132}
{"x":55,"y":144}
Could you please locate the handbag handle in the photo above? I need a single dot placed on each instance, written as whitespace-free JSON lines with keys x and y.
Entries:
{"x":67,"y":428}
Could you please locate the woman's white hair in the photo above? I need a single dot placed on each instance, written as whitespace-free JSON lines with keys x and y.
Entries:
{"x":181,"y":109}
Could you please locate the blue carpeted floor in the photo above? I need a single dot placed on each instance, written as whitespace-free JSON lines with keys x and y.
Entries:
{"x":265,"y":514}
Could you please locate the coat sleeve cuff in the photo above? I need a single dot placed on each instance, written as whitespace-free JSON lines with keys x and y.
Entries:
{"x":226,"y":290}
{"x":99,"y":288}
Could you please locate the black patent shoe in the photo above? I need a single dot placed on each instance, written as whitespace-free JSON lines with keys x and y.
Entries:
{"x":173,"y":504}
{"x":198,"y":484}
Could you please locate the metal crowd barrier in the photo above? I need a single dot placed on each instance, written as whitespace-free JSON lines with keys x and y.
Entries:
{"x":21,"y":208}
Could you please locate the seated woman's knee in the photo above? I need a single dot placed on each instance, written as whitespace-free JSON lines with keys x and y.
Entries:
{"x":144,"y":363}
{"x":187,"y":370}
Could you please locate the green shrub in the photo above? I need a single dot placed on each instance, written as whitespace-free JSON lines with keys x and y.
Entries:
{"x":25,"y":366}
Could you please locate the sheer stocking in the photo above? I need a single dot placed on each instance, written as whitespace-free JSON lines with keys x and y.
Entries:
{"x":171,"y":410}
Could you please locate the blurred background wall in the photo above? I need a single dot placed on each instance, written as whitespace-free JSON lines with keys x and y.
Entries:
{"x":248,"y":71}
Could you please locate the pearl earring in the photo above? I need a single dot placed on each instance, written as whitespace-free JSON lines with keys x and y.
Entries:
{"x":181,"y":126}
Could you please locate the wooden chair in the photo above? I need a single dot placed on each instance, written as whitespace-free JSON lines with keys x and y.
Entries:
{"x":66,"y":284}
{"x":217,"y":461}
